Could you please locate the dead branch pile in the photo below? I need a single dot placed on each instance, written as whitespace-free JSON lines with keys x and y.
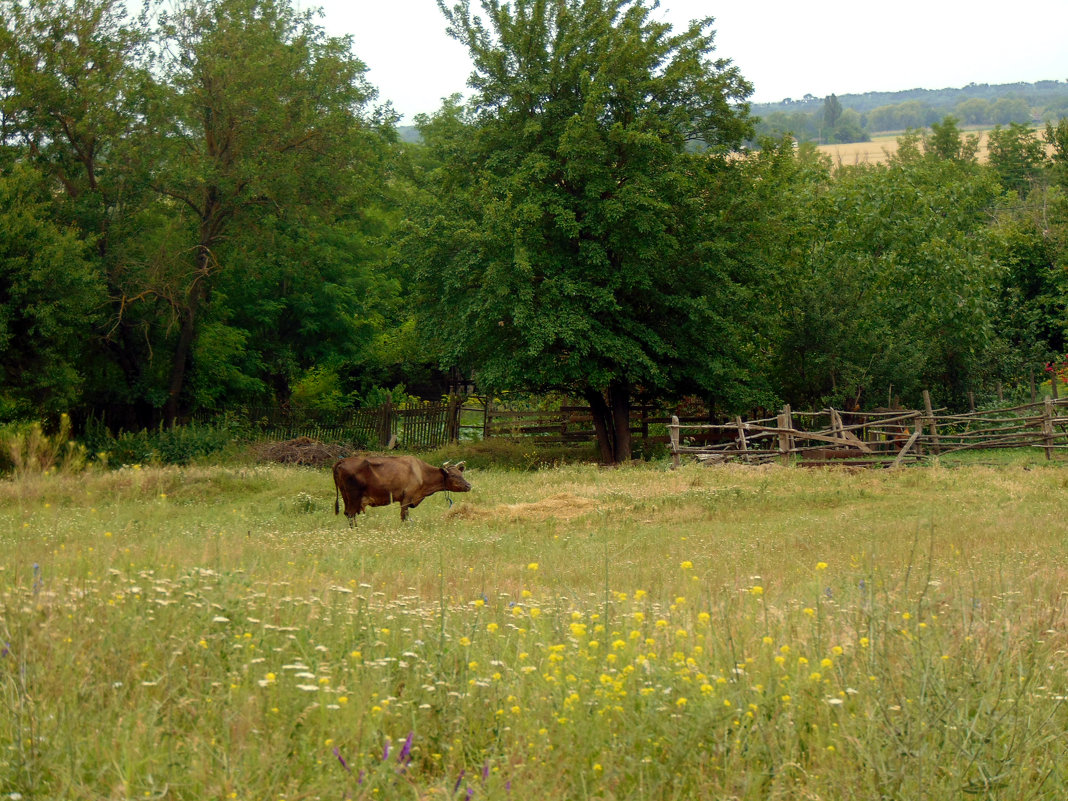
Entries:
{"x":302,"y":451}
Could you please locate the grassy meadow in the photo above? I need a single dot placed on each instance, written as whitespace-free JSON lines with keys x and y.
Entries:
{"x":572,"y":632}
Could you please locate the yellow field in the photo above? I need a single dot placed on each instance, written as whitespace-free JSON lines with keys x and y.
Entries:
{"x":877,"y":150}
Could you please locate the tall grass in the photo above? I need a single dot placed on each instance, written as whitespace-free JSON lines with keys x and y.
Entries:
{"x":26,"y":450}
{"x":573,"y":632}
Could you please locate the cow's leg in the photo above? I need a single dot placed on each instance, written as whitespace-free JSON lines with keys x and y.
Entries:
{"x":357,"y":506}
{"x":404,"y":511}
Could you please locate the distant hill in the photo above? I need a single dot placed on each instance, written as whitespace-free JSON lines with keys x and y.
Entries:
{"x":856,"y":117}
{"x":1040,"y":93}
{"x":865,"y":115}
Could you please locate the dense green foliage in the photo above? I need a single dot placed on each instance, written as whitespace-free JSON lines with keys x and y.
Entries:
{"x":222,"y":167}
{"x":204,"y":209}
{"x":577,"y":207}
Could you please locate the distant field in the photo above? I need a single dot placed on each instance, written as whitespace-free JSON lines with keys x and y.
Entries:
{"x":749,"y":633}
{"x":875,"y":151}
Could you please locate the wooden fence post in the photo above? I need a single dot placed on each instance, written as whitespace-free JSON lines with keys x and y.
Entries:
{"x":1047,"y":426}
{"x":673,"y":433}
{"x":741,"y":438}
{"x":784,"y":437}
{"x":932,"y":425}
{"x":836,"y":424}
{"x":971,"y":401}
{"x":790,"y":443}
{"x":487,"y":417}
{"x":385,"y":423}
{"x":1053,"y":383}
{"x":912,"y":439}
{"x":452,"y":419}
{"x":1034,"y":393}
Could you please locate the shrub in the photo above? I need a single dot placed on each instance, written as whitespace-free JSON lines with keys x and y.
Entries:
{"x":178,"y":445}
{"x":28,"y":450}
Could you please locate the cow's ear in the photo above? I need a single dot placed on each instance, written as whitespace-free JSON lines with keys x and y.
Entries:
{"x":461,"y":465}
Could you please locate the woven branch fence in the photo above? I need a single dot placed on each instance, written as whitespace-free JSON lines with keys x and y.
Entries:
{"x":874,"y":439}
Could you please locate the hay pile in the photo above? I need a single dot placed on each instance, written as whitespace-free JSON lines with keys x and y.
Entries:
{"x":303,"y":451}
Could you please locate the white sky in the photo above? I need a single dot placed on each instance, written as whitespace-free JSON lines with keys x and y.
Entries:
{"x":786,"y":49}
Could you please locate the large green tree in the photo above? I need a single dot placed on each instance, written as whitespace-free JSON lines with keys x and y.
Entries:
{"x":258,"y":115}
{"x":73,"y":75}
{"x":564,"y":245}
{"x":224,"y":165}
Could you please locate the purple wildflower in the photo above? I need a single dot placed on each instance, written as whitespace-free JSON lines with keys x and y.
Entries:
{"x":385,"y":751}
{"x":405,"y":755}
{"x":485,"y":772}
{"x":341,"y":759}
{"x":459,"y":779}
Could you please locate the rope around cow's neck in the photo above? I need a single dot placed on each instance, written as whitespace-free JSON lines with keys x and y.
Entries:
{"x":448,"y":497}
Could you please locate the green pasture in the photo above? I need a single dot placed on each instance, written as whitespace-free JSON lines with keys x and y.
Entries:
{"x":570,"y":632}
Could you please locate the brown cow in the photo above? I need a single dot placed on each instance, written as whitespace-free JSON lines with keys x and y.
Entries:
{"x":380,"y":480}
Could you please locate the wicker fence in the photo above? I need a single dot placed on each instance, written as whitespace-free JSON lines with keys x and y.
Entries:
{"x":875,"y":439}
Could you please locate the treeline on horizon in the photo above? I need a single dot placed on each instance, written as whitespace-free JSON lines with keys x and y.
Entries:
{"x":840,"y":119}
{"x":210,"y":208}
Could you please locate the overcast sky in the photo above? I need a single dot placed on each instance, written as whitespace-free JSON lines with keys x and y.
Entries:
{"x":786,"y":49}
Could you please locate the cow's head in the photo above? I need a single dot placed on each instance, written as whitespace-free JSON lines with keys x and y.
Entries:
{"x":454,"y":477}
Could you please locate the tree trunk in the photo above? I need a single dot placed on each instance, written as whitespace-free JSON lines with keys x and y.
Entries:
{"x":602,"y":425}
{"x":611,"y":421}
{"x":619,"y":397}
{"x":198,"y":294}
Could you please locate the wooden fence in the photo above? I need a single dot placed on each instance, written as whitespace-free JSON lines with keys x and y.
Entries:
{"x":414,"y":426}
{"x":878,"y":438}
{"x":571,"y":424}
{"x":875,"y":439}
{"x":427,"y":425}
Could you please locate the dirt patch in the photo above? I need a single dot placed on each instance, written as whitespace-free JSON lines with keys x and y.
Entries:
{"x":562,"y":506}
{"x":303,"y":451}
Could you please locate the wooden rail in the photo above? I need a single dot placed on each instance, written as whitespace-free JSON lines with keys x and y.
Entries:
{"x":876,"y":439}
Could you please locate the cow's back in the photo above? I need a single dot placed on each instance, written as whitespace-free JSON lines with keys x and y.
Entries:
{"x":377,"y":476}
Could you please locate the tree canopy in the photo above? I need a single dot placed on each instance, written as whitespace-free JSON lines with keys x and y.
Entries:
{"x":561,"y":240}
{"x":206,"y":207}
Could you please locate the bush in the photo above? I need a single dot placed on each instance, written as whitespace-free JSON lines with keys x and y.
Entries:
{"x":28,"y":450}
{"x":178,"y":445}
